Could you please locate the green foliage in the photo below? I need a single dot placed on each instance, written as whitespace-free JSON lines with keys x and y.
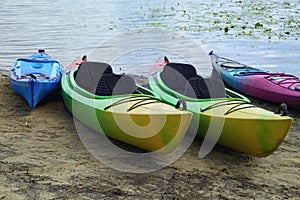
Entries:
{"x":243,"y":19}
{"x":226,"y":29}
{"x":258,"y":25}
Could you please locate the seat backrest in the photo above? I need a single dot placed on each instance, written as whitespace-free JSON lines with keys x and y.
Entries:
{"x":89,"y":74}
{"x":113,"y":84}
{"x":196,"y":88}
{"x":175,"y":75}
{"x":216,"y":87}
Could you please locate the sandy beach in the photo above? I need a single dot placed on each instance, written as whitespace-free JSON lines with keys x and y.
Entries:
{"x":42,"y":157}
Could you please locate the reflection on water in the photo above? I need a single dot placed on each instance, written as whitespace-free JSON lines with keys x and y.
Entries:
{"x":262,"y":34}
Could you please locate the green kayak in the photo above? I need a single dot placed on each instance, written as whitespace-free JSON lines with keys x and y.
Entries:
{"x":220,"y":115}
{"x":116,"y":106}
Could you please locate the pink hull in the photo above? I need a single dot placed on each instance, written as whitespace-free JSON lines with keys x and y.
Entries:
{"x":258,"y":86}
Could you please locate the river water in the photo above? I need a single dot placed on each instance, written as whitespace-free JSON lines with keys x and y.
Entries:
{"x":258,"y":33}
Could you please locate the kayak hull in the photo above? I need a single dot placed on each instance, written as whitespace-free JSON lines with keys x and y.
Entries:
{"x":34,"y":91}
{"x":256,"y":137}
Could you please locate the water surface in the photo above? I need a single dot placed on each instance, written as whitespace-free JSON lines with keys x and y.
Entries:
{"x":259,"y":33}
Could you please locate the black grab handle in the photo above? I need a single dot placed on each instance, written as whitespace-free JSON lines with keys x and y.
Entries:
{"x":282,"y":109}
{"x":32,"y":76}
{"x":179,"y":102}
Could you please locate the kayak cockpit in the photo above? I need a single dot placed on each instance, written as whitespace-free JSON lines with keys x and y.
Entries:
{"x":183,"y":79}
{"x":98,"y":78}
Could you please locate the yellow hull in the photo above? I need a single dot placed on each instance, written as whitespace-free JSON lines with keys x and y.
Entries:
{"x":253,"y":131}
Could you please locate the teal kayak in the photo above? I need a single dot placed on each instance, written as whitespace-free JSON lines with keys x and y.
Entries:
{"x":270,"y":86}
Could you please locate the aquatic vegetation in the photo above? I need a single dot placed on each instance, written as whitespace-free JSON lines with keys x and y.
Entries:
{"x":260,"y":20}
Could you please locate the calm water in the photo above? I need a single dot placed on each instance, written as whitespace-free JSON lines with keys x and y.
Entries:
{"x":258,"y":33}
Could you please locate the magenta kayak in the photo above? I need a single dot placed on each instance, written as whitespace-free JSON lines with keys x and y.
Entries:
{"x":274,"y":87}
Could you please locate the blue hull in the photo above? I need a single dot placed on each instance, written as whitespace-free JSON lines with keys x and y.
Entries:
{"x":35,"y":77}
{"x":34,"y":91}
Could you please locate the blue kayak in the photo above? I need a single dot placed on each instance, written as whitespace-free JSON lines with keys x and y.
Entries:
{"x":35,"y":77}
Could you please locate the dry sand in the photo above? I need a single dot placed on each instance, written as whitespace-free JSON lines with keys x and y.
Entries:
{"x":42,"y":157}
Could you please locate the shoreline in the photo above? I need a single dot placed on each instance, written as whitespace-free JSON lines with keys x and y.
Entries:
{"x":42,"y":157}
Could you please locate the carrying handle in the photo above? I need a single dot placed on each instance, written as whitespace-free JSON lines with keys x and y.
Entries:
{"x":282,"y":109}
{"x":166,"y":60}
{"x":181,"y":102}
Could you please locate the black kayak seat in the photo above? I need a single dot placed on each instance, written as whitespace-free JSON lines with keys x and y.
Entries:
{"x":89,"y":74}
{"x":216,"y":87}
{"x":199,"y":87}
{"x":196,"y":88}
{"x":114,"y":84}
{"x":175,"y":75}
{"x":183,"y":79}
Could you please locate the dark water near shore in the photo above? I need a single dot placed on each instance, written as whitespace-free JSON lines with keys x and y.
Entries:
{"x":258,"y":33}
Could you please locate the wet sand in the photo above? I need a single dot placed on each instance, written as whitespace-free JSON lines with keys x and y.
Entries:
{"x":42,"y":157}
